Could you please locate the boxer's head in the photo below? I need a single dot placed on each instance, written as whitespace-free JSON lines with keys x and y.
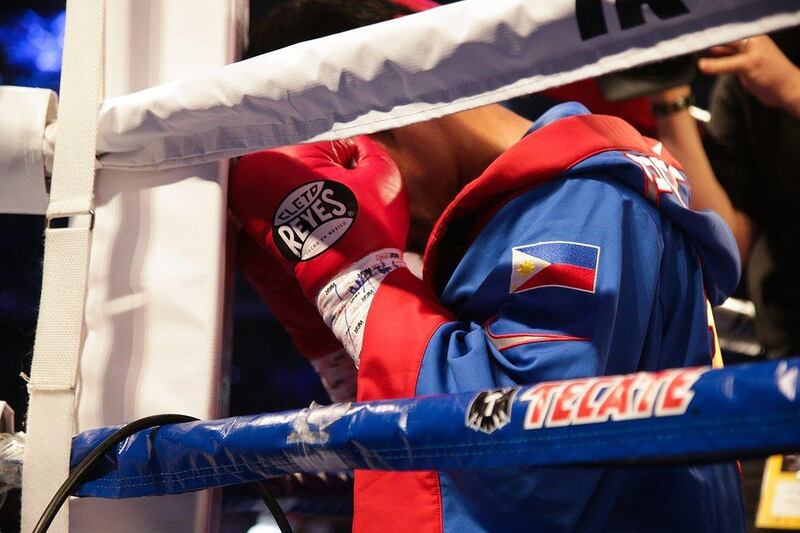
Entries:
{"x":437,"y":157}
{"x":293,"y":21}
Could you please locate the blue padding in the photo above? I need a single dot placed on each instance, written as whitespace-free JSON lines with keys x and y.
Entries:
{"x":730,"y":412}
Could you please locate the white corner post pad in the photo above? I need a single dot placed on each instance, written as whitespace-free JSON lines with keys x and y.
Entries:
{"x":59,"y":330}
{"x":345,"y":301}
{"x":26,"y":113}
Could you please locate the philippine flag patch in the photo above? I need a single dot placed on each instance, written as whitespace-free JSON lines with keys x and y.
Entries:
{"x":571,"y":265}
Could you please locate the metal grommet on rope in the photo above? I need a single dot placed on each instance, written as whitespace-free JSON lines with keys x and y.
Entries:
{"x":77,"y":220}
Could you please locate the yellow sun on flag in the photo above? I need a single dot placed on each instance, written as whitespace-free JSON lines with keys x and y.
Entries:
{"x":526,"y":267}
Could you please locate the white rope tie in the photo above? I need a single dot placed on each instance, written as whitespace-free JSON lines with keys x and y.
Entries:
{"x":59,"y":332}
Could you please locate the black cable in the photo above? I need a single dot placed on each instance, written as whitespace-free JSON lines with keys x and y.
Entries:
{"x":272,"y":504}
{"x":80,"y":472}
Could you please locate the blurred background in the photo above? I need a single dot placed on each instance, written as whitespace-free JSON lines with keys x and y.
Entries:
{"x":31,"y":39}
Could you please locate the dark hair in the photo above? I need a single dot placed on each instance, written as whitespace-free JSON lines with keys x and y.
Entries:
{"x":294,"y":21}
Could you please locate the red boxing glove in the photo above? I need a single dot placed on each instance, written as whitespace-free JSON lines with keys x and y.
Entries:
{"x":335,"y":214}
{"x":280,"y":291}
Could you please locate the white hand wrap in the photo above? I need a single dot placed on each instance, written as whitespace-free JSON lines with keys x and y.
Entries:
{"x":345,"y":301}
{"x":338,"y":376}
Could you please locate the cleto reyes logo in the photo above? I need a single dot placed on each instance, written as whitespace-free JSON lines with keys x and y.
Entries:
{"x":594,"y":400}
{"x":312,"y":218}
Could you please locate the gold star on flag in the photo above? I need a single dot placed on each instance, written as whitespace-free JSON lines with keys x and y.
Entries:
{"x":526,"y":267}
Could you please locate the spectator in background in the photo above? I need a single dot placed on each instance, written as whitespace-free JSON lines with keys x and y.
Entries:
{"x":748,"y":171}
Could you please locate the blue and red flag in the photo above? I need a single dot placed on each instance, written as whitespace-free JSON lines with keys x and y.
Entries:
{"x":570,"y":265}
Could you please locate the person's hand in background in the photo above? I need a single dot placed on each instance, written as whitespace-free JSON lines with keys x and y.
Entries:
{"x":762,"y":69}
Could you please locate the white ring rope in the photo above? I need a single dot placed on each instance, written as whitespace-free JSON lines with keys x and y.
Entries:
{"x":403,"y":71}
